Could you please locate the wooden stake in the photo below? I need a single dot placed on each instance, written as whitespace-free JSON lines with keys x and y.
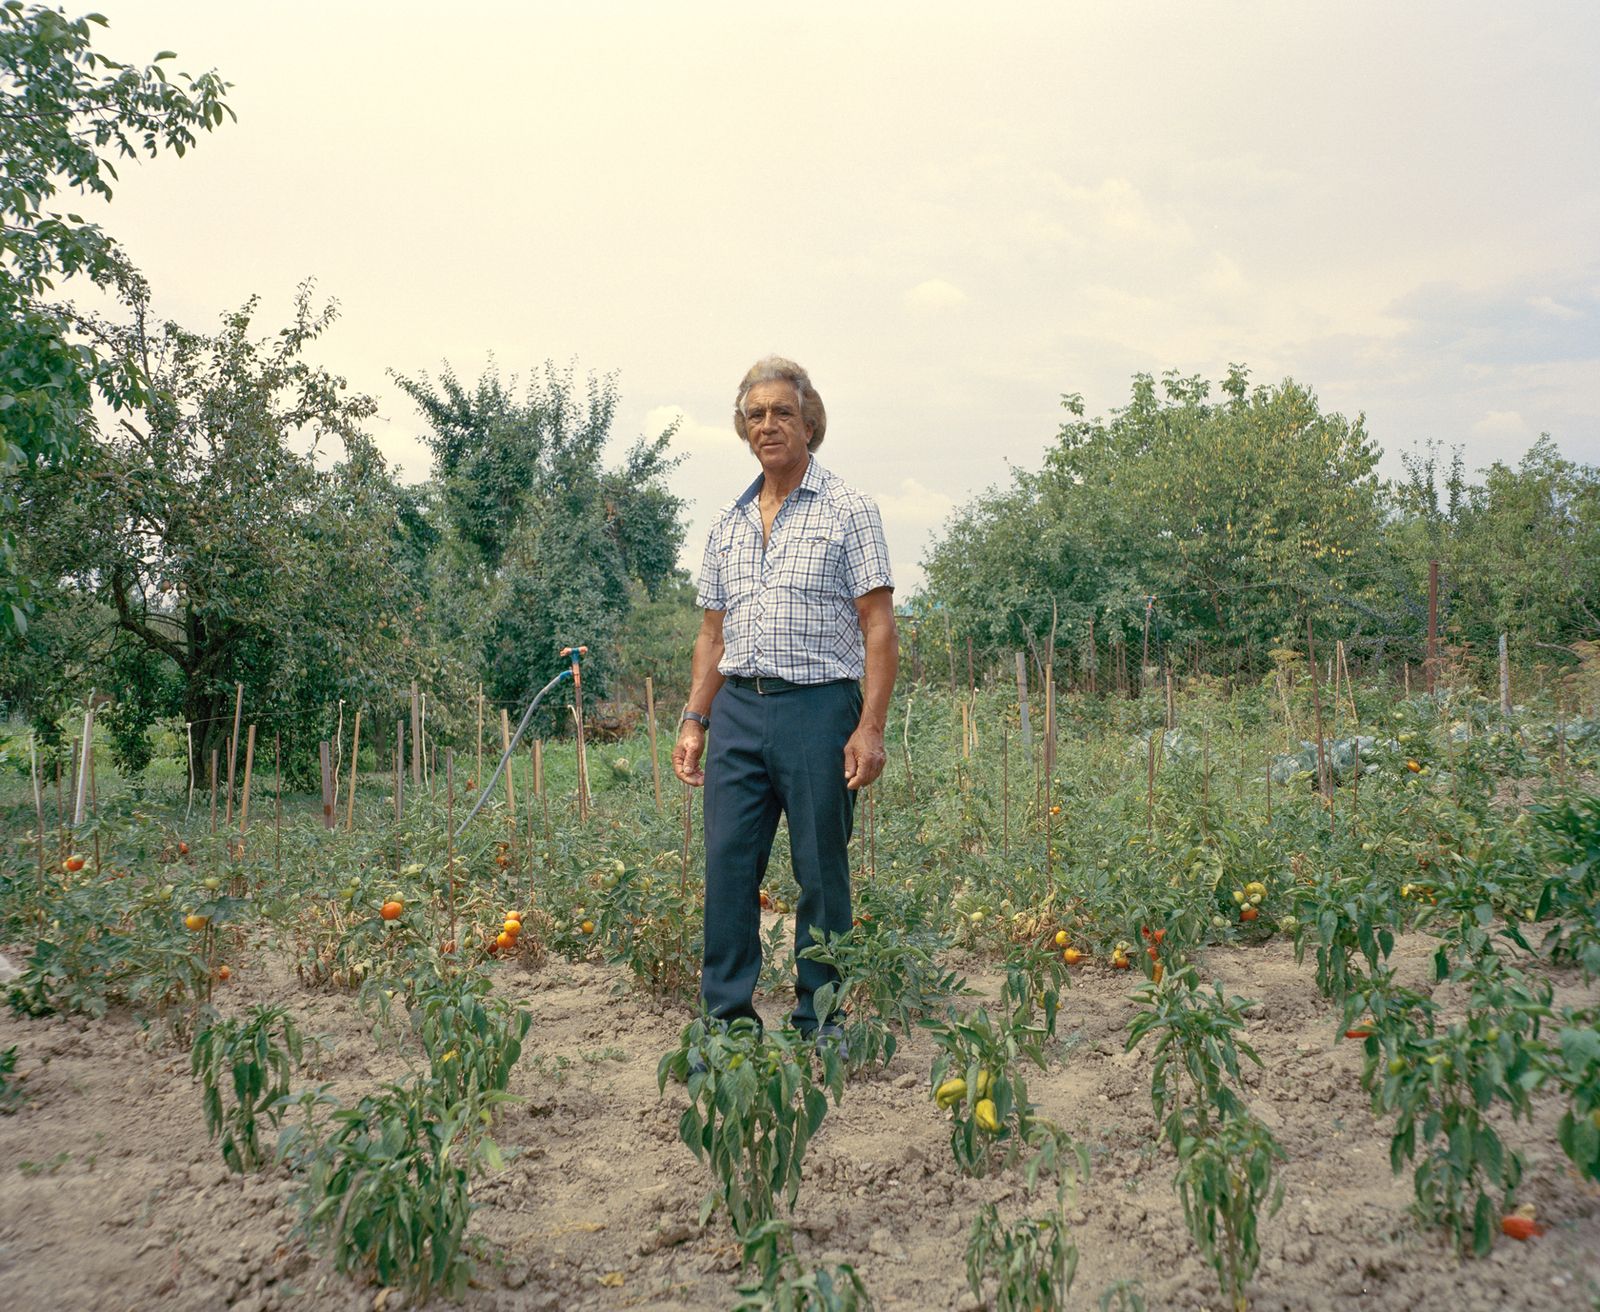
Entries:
{"x":1022,"y":703}
{"x":399,"y":769}
{"x":1094,"y":660}
{"x":1433,"y":623}
{"x":188,"y":735}
{"x":94,"y":800}
{"x":505,"y":746}
{"x":479,"y":775}
{"x":872,"y":831}
{"x":38,"y":807}
{"x":650,"y":720}
{"x":1324,"y":779}
{"x":277,"y":803}
{"x":950,"y":650}
{"x":1144,"y":672}
{"x":214,"y":770}
{"x":905,"y":747}
{"x":82,"y":792}
{"x":233,"y":746}
{"x":355,"y":755}
{"x":338,"y":756}
{"x":1005,"y":792}
{"x":416,"y":738}
{"x":1343,"y":666}
{"x":583,"y":756}
{"x":449,"y":838}
{"x":1150,"y":787}
{"x":538,"y":767}
{"x":1505,"y":675}
{"x":1049,"y":719}
{"x":325,"y":757}
{"x":683,"y":865}
{"x":249,"y":764}
{"x":1049,"y":768}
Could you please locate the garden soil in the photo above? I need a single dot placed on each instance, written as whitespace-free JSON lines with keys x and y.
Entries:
{"x":111,"y":1197}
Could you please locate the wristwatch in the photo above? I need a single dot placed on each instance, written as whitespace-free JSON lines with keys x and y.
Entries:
{"x":704,"y":721}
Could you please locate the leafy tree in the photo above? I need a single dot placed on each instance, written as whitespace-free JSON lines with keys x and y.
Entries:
{"x":242,"y":528}
{"x":539,"y":542}
{"x":68,"y":111}
{"x":1235,"y":515}
{"x":1519,"y":552}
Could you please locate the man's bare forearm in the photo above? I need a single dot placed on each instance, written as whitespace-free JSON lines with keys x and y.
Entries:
{"x":883,"y":664}
{"x":704,"y":678}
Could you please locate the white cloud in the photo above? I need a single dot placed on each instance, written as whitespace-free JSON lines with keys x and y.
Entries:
{"x":1501,"y":424}
{"x":693,"y":438}
{"x":1549,"y":305}
{"x":934,"y":294}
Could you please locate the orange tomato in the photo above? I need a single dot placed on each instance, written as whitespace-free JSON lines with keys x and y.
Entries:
{"x":393,"y":909}
{"x":195,"y":921}
{"x":514,"y":915}
{"x":73,"y":863}
{"x":505,"y":942}
{"x":1072,"y":956}
{"x":224,"y":974}
{"x":1247,"y":914}
{"x":512,"y":928}
{"x":1158,"y":972}
{"x":183,"y":849}
{"x":587,"y":927}
{"x":1520,"y":1227}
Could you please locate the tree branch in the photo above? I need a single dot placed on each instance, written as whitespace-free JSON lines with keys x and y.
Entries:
{"x":134,"y":625}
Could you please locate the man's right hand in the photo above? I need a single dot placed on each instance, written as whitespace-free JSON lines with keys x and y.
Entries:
{"x":686,"y":754}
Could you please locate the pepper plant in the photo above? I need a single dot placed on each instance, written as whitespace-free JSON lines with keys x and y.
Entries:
{"x":753,"y":1107}
{"x":1031,"y":1262}
{"x":251,"y":1058}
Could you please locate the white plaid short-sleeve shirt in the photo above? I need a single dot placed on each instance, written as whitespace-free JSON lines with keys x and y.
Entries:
{"x":789,"y":609}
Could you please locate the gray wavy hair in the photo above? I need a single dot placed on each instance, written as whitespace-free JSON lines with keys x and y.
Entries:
{"x":776,"y":369}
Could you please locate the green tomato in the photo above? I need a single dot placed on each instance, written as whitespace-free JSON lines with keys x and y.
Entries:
{"x":1397,"y":1065}
{"x":212,"y":882}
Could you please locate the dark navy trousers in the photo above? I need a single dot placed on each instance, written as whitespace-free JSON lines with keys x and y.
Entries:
{"x":769,"y":753}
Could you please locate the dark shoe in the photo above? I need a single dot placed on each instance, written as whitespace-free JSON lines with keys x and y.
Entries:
{"x":831,"y":1036}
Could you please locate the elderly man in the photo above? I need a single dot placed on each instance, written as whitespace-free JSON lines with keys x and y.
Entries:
{"x":798,"y":604}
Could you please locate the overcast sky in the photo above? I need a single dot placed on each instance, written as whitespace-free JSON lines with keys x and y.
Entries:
{"x":950,"y":213}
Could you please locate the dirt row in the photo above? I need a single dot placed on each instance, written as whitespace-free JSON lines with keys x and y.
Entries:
{"x":111,"y":1196}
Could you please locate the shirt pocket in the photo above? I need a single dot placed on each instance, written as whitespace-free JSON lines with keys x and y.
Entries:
{"x":813,"y":563}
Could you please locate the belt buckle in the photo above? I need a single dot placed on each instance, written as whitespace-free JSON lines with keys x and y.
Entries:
{"x":760,"y":691}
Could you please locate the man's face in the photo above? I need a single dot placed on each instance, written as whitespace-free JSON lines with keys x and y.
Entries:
{"x":777,"y":433}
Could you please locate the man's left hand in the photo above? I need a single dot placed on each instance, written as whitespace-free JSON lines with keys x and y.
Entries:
{"x":863,"y":758}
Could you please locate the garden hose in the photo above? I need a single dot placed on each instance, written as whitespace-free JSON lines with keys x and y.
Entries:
{"x":511,"y":747}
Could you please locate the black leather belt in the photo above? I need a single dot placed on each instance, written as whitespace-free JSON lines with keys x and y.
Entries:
{"x":766,"y":684}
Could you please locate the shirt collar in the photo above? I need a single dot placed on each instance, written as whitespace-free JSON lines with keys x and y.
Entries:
{"x":813,"y":481}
